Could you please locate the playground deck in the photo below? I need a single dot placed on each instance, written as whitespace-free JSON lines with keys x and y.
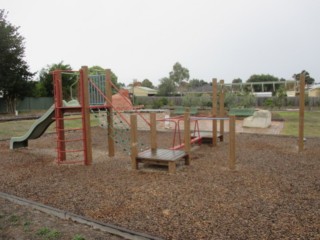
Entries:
{"x":165,"y":157}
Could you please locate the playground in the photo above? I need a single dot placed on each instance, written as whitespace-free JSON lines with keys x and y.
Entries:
{"x":271,"y":191}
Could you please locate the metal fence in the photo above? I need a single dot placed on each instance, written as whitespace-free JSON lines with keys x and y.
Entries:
{"x":29,"y":104}
{"x":259,"y":101}
{"x":43,"y":103}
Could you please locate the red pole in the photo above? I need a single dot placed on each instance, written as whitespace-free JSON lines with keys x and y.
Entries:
{"x":61,"y":147}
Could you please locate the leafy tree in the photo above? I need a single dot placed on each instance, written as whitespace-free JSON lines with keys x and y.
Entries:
{"x":95,"y":70}
{"x":46,"y":80}
{"x":237,"y":80}
{"x":308,"y":80}
{"x":179,"y":74}
{"x":263,"y":78}
{"x":237,"y":88}
{"x":39,"y":90}
{"x":147,"y":83}
{"x":14,"y":71}
{"x":167,"y":87}
{"x":195,"y":83}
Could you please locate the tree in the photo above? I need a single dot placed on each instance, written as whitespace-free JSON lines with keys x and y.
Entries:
{"x":167,"y":87}
{"x":196,"y":83}
{"x":95,"y":70}
{"x":46,"y":80}
{"x":179,"y":74}
{"x":263,"y":78}
{"x":237,"y":87}
{"x":280,"y":97}
{"x":147,"y":83}
{"x":14,"y":71}
{"x":237,"y":80}
{"x":308,"y":80}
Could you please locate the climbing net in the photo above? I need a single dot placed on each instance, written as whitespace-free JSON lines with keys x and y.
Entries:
{"x":120,"y":129}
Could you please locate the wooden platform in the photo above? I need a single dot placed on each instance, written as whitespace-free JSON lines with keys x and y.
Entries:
{"x":165,"y":157}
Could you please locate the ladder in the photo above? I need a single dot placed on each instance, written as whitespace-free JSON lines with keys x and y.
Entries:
{"x":70,"y":149}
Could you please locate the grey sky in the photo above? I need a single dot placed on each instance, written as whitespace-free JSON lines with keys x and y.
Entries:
{"x":141,"y":39}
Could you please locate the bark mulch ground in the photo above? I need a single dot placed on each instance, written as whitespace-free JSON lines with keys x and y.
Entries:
{"x":273,"y":194}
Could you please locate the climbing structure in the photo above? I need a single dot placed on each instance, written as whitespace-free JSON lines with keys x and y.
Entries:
{"x":83,"y":143}
{"x":113,"y":116}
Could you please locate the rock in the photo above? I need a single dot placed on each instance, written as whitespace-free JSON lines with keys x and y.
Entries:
{"x":260,"y":119}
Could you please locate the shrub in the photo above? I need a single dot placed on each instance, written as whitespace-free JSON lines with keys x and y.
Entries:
{"x":191,"y":100}
{"x":248,"y":100}
{"x":205,"y":100}
{"x":269,"y":103}
{"x":230,"y":100}
{"x":158,"y":103}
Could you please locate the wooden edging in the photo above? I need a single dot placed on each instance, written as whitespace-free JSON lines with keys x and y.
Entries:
{"x":109,"y":228}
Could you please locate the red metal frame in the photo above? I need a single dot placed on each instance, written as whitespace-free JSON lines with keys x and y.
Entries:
{"x":125,"y":98}
{"x":108,"y":101}
{"x":59,"y":118}
{"x":196,"y":138}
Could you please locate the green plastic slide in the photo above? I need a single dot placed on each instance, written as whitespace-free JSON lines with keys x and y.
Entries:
{"x":35,"y":131}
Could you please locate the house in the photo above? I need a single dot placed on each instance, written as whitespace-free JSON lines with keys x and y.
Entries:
{"x":314,"y":91}
{"x":140,"y":91}
{"x":291,"y":93}
{"x":262,"y":94}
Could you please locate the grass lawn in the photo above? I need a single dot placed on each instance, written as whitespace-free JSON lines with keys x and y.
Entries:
{"x":19,"y":128}
{"x":291,"y":124}
{"x":291,"y":118}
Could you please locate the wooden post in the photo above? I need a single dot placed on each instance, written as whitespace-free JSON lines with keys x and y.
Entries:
{"x":61,"y":146}
{"x":301,"y":111}
{"x":111,"y":148}
{"x":232,"y":142}
{"x":214,"y":112}
{"x":134,"y":141}
{"x":153,"y":131}
{"x":221,"y":108}
{"x":187,"y":136}
{"x":86,"y":116}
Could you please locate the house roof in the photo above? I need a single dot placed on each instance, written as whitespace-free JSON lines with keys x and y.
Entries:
{"x":147,"y":89}
{"x":203,"y":88}
{"x":142,"y":88}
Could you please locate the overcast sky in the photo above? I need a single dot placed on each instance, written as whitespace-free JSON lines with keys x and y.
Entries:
{"x":138,"y":39}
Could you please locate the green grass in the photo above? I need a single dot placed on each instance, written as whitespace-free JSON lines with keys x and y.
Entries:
{"x":14,"y":219}
{"x":291,"y":123}
{"x":19,"y":128}
{"x":48,"y":234}
{"x":78,"y":237}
